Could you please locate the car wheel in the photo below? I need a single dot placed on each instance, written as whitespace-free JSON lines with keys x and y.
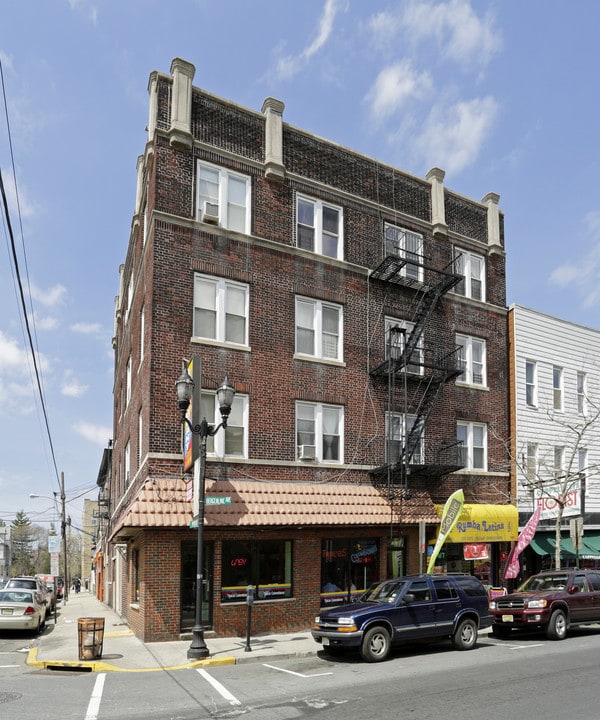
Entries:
{"x":557,"y":627}
{"x":501,"y":631}
{"x":375,"y":645}
{"x":465,"y":635}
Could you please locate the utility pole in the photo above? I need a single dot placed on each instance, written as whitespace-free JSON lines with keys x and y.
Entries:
{"x":63,"y":523}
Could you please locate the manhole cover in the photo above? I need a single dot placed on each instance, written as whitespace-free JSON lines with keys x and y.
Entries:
{"x":9,"y":697}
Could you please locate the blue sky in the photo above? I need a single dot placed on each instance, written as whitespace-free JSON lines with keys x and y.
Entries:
{"x":502,"y":95}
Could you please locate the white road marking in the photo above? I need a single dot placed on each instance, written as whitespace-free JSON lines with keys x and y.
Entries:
{"x":8,"y":666}
{"x":231,"y":699}
{"x":297,"y":674}
{"x":94,"y":704}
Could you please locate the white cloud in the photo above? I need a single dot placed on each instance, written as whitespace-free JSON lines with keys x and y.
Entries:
{"x":289,"y":65}
{"x":395,"y":86}
{"x":461,"y":35}
{"x":11,"y":355}
{"x":46,"y":323}
{"x":71,"y":387}
{"x":584,"y":276}
{"x":453,"y":136}
{"x":87,"y":328}
{"x":48,"y":297}
{"x":97,"y":434}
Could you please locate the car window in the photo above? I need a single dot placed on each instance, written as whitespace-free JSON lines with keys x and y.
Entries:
{"x":444,"y":590}
{"x":594,"y":581}
{"x":384,"y":592}
{"x":580,"y":581}
{"x":420,"y":589}
{"x":471,"y":586}
{"x":15,"y":596}
{"x":545,"y":582}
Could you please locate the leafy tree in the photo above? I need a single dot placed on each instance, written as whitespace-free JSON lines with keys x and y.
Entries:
{"x":23,"y":545}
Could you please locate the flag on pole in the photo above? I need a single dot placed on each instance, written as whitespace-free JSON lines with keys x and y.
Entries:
{"x":452,"y":510}
{"x":512,"y":564}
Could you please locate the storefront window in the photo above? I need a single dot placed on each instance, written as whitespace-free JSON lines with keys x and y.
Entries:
{"x":348,"y":567}
{"x":266,"y":565}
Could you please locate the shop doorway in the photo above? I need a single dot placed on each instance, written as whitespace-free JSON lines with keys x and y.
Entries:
{"x":188,"y":585}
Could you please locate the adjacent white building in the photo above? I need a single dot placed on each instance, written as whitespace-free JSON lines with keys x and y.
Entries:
{"x":555,"y":434}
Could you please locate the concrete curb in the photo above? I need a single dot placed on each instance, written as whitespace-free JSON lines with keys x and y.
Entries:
{"x":101,"y":666}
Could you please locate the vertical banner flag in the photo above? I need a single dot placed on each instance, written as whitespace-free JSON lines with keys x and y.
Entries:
{"x":452,"y":509}
{"x":512,"y":564}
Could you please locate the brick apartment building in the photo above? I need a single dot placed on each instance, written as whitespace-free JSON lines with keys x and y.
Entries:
{"x":360,"y":313}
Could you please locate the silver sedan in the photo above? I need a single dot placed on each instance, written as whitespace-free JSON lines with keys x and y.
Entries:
{"x":21,"y":610}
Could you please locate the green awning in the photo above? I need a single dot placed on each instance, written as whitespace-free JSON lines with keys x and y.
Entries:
{"x":545,"y":544}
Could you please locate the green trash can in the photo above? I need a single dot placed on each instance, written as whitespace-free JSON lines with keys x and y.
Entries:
{"x":90,"y":632}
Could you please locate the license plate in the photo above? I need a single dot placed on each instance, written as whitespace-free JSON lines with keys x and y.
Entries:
{"x":507,"y":618}
{"x":7,"y":611}
{"x":325,"y":641}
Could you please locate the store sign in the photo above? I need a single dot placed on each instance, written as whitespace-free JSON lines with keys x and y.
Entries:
{"x":550,"y":499}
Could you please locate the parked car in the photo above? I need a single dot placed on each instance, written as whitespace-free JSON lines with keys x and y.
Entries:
{"x":21,"y":609}
{"x":406,"y":609}
{"x":50,"y":583}
{"x":551,"y":601}
{"x":27,"y":582}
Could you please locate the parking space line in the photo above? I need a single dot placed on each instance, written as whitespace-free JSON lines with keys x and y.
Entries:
{"x":231,"y":699}
{"x":94,"y":704}
{"x":297,"y":674}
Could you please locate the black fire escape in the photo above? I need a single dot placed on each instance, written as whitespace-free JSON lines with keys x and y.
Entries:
{"x":420,"y":371}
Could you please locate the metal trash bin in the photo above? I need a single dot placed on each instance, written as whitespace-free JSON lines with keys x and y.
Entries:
{"x":90,"y":632}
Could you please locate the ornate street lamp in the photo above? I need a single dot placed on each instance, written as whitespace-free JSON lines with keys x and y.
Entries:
{"x":225,"y":395}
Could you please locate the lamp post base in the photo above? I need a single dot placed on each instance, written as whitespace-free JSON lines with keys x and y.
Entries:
{"x":197,"y":650}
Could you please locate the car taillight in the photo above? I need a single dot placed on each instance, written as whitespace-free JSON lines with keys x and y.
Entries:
{"x":29,"y":610}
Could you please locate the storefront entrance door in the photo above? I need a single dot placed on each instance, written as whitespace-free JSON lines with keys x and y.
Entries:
{"x":188,"y":585}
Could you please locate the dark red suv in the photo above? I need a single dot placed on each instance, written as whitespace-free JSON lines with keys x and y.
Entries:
{"x":551,"y":601}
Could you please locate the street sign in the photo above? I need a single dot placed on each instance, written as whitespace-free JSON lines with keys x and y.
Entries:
{"x":217,"y":500}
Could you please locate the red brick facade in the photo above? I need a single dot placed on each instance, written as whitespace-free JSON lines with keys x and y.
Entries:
{"x":168,"y":246}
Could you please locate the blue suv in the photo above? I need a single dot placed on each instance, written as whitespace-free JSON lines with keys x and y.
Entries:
{"x":405,"y":609}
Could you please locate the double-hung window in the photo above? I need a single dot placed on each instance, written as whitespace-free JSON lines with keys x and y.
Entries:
{"x":223,"y":198}
{"x":319,"y":432}
{"x":220,"y":310}
{"x":398,"y":335}
{"x":319,"y":227}
{"x":231,"y":441}
{"x":473,"y":439}
{"x":395,"y":434}
{"x":531,"y":395}
{"x":531,"y":468}
{"x":128,"y":382}
{"x":472,"y":360}
{"x":471,"y":268}
{"x":408,"y":245}
{"x":559,"y":462}
{"x":581,"y":393}
{"x":557,"y":388}
{"x":318,"y":329}
{"x":127,"y":464}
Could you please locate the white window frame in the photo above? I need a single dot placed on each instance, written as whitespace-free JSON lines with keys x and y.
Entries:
{"x":582,"y":407}
{"x":142,"y":329}
{"x":127,"y":464}
{"x":558,"y":469}
{"x":397,"y":438}
{"x":220,"y":194}
{"x":408,"y":245}
{"x":468,"y":437}
{"x":128,"y":382}
{"x":316,"y":310}
{"x":317,"y":410}
{"x":397,"y":347}
{"x":129,"y":297}
{"x":532,"y":463}
{"x":531,"y":384}
{"x":216,"y":445}
{"x":221,"y":288}
{"x":140,"y":430}
{"x":557,"y":388}
{"x":466,"y":264}
{"x":319,"y":233}
{"x":467,"y":347}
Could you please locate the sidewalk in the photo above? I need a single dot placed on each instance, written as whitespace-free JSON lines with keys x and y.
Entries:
{"x":57,"y":647}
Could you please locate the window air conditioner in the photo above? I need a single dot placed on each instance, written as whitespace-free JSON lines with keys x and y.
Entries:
{"x":307,"y":452}
{"x":209,"y":213}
